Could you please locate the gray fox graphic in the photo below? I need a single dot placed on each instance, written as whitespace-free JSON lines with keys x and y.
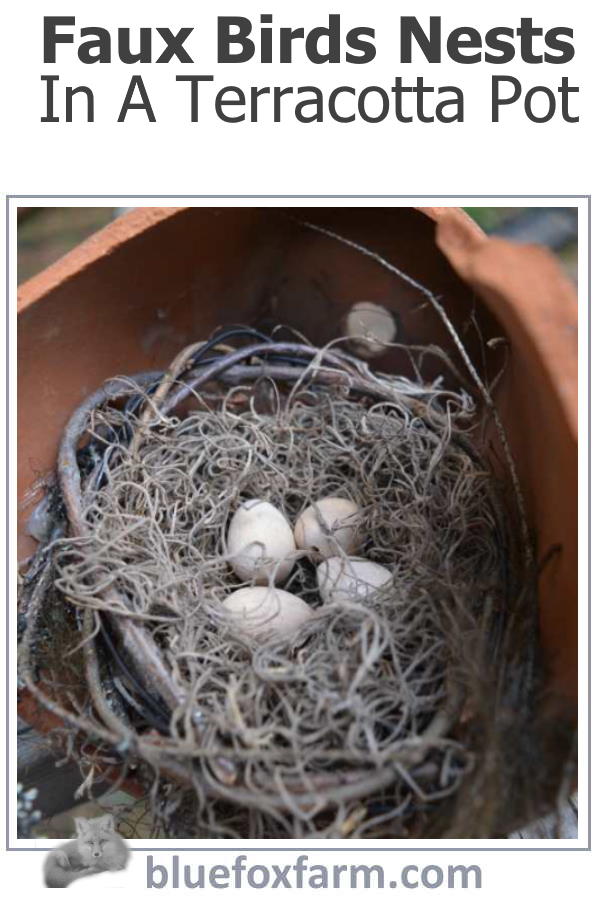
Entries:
{"x":97,"y":848}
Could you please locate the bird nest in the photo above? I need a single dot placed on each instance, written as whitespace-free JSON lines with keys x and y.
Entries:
{"x":394,"y":714}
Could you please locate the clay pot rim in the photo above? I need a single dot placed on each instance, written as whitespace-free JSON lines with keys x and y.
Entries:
{"x":102,"y":243}
{"x":470,"y":252}
{"x":139,"y":220}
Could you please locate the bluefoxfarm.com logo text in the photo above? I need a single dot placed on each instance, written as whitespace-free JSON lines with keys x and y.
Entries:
{"x":301,"y":873}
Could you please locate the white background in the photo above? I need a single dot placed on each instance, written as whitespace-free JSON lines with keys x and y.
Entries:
{"x":174,"y":157}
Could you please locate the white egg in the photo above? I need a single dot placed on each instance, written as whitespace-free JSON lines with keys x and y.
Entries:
{"x":328,"y":526}
{"x":371,"y":328}
{"x":344,"y":580}
{"x":260,"y":543}
{"x":266,"y":613}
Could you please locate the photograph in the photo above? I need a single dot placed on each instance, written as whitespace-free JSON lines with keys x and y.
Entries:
{"x":296,"y":524}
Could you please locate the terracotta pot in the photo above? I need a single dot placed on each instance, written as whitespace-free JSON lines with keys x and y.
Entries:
{"x":158,"y":278}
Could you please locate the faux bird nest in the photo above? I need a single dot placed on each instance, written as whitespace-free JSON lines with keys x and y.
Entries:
{"x":402,"y":714}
